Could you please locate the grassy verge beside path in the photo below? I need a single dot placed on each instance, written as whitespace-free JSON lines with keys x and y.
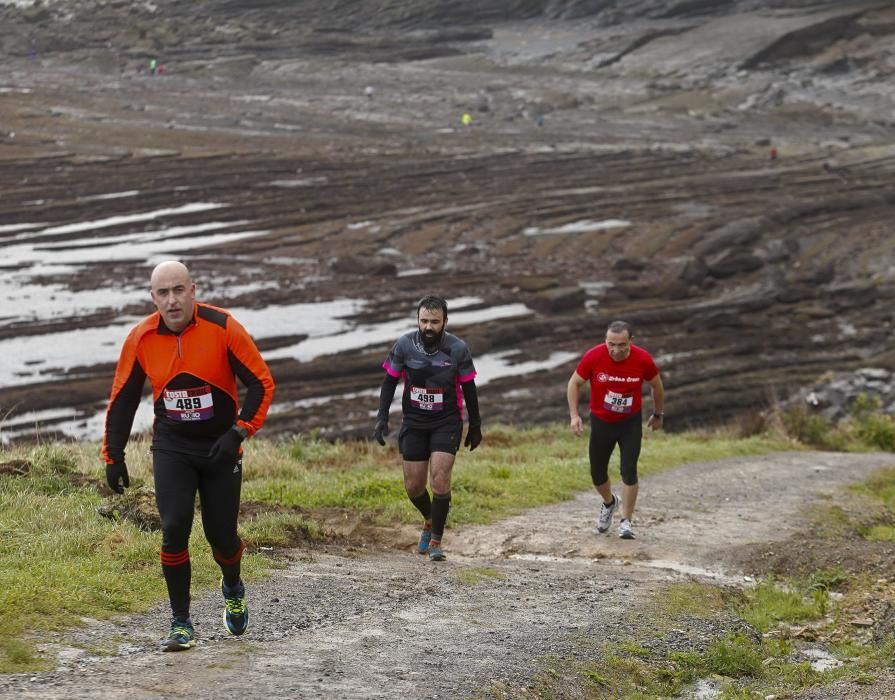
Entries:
{"x":60,"y":561}
{"x":703,"y":640}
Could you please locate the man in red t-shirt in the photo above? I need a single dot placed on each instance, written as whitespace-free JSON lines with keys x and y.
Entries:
{"x":616,"y":371}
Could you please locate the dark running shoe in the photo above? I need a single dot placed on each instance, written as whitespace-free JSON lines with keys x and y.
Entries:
{"x":181,"y":637}
{"x":236,"y":612}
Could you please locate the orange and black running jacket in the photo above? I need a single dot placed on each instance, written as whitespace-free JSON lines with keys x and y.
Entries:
{"x":193,"y":377}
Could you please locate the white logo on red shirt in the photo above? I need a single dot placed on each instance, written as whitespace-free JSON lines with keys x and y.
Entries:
{"x":603,"y":377}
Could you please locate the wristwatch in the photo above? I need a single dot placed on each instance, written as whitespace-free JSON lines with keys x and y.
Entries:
{"x":660,"y":414}
{"x":241,"y":430}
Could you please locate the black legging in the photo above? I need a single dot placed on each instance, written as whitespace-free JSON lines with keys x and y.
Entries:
{"x":178,"y":477}
{"x":604,"y":436}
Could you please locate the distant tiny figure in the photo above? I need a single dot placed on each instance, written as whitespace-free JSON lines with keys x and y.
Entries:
{"x":369,"y":91}
{"x":467,"y":119}
{"x":539,"y":120}
{"x":153,"y":66}
{"x":773,"y":153}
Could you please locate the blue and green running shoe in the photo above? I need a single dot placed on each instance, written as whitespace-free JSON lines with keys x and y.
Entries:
{"x":182,"y":635}
{"x":425,"y":537}
{"x":236,"y":612}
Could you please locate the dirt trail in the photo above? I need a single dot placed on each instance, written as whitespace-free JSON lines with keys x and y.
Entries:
{"x":365,"y":623}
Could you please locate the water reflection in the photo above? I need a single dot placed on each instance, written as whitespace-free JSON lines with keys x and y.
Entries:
{"x":583,"y":226}
{"x":373,"y":334}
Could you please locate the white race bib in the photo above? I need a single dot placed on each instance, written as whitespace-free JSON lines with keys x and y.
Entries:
{"x":618,"y":403}
{"x":185,"y":405}
{"x":427,"y":399}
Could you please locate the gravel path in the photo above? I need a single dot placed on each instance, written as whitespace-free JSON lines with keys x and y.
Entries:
{"x":362,"y":623}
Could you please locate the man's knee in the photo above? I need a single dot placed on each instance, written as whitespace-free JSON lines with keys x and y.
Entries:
{"x":176,"y":532}
{"x":629,"y":476}
{"x":599,"y":474}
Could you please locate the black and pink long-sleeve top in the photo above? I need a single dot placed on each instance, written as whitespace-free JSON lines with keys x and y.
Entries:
{"x":432,"y":379}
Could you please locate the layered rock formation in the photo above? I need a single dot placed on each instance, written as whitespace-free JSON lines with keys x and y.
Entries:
{"x":718,"y":173}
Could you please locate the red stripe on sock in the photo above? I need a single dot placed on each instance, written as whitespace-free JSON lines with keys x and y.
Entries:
{"x":220,"y":559}
{"x":175,"y":558}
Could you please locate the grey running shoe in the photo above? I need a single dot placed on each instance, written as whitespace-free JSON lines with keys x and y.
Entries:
{"x":604,"y":522}
{"x":625,"y":531}
{"x":435,"y":553}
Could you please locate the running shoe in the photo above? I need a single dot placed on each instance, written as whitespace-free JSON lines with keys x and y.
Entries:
{"x":425,"y":537}
{"x":604,"y":522}
{"x":625,"y":531}
{"x":182,"y":635}
{"x":435,"y":553}
{"x":236,"y":612}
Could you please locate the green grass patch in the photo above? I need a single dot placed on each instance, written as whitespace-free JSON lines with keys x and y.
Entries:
{"x":770,"y":604}
{"x":865,"y":428}
{"x":682,"y":600}
{"x":61,"y":561}
{"x":474,"y":575}
{"x":514,"y":470}
{"x":880,"y":486}
{"x":734,"y":656}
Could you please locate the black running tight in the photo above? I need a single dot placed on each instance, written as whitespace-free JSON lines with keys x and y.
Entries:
{"x":178,"y":478}
{"x":627,"y":434}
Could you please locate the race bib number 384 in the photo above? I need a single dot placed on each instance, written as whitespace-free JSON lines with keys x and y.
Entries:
{"x":618,"y":403}
{"x":185,"y":405}
{"x":427,"y":399}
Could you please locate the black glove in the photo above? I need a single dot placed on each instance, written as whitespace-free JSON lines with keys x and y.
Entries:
{"x":473,"y":437}
{"x":115,"y":472}
{"x":380,"y":430}
{"x":226,"y":449}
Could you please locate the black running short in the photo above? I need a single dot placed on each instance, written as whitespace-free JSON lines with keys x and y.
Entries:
{"x":418,"y":444}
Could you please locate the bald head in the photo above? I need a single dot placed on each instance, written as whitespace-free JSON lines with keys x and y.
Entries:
{"x":170,"y":269}
{"x":173,"y":293}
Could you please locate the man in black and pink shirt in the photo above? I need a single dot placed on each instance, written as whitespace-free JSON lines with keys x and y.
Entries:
{"x":439,"y":376}
{"x":616,"y":371}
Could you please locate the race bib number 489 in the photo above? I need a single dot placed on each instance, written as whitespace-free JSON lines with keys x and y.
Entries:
{"x":618,"y":403}
{"x":427,"y":399}
{"x":189,"y":404}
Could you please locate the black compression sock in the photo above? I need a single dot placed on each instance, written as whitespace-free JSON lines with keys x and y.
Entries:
{"x":441,"y":504}
{"x":423,"y":504}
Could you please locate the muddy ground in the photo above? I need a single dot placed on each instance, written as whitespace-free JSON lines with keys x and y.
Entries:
{"x":374,"y":619}
{"x":618,"y":164}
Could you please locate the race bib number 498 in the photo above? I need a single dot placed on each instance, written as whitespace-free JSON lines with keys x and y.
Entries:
{"x":185,"y":405}
{"x":427,"y":399}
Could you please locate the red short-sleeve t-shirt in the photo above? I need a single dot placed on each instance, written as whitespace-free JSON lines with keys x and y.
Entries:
{"x":616,"y":388}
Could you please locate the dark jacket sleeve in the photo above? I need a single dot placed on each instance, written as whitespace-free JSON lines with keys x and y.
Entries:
{"x":386,"y":395}
{"x":471,"y":398}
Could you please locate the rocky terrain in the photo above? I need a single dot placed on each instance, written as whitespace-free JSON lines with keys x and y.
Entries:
{"x":718,"y":173}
